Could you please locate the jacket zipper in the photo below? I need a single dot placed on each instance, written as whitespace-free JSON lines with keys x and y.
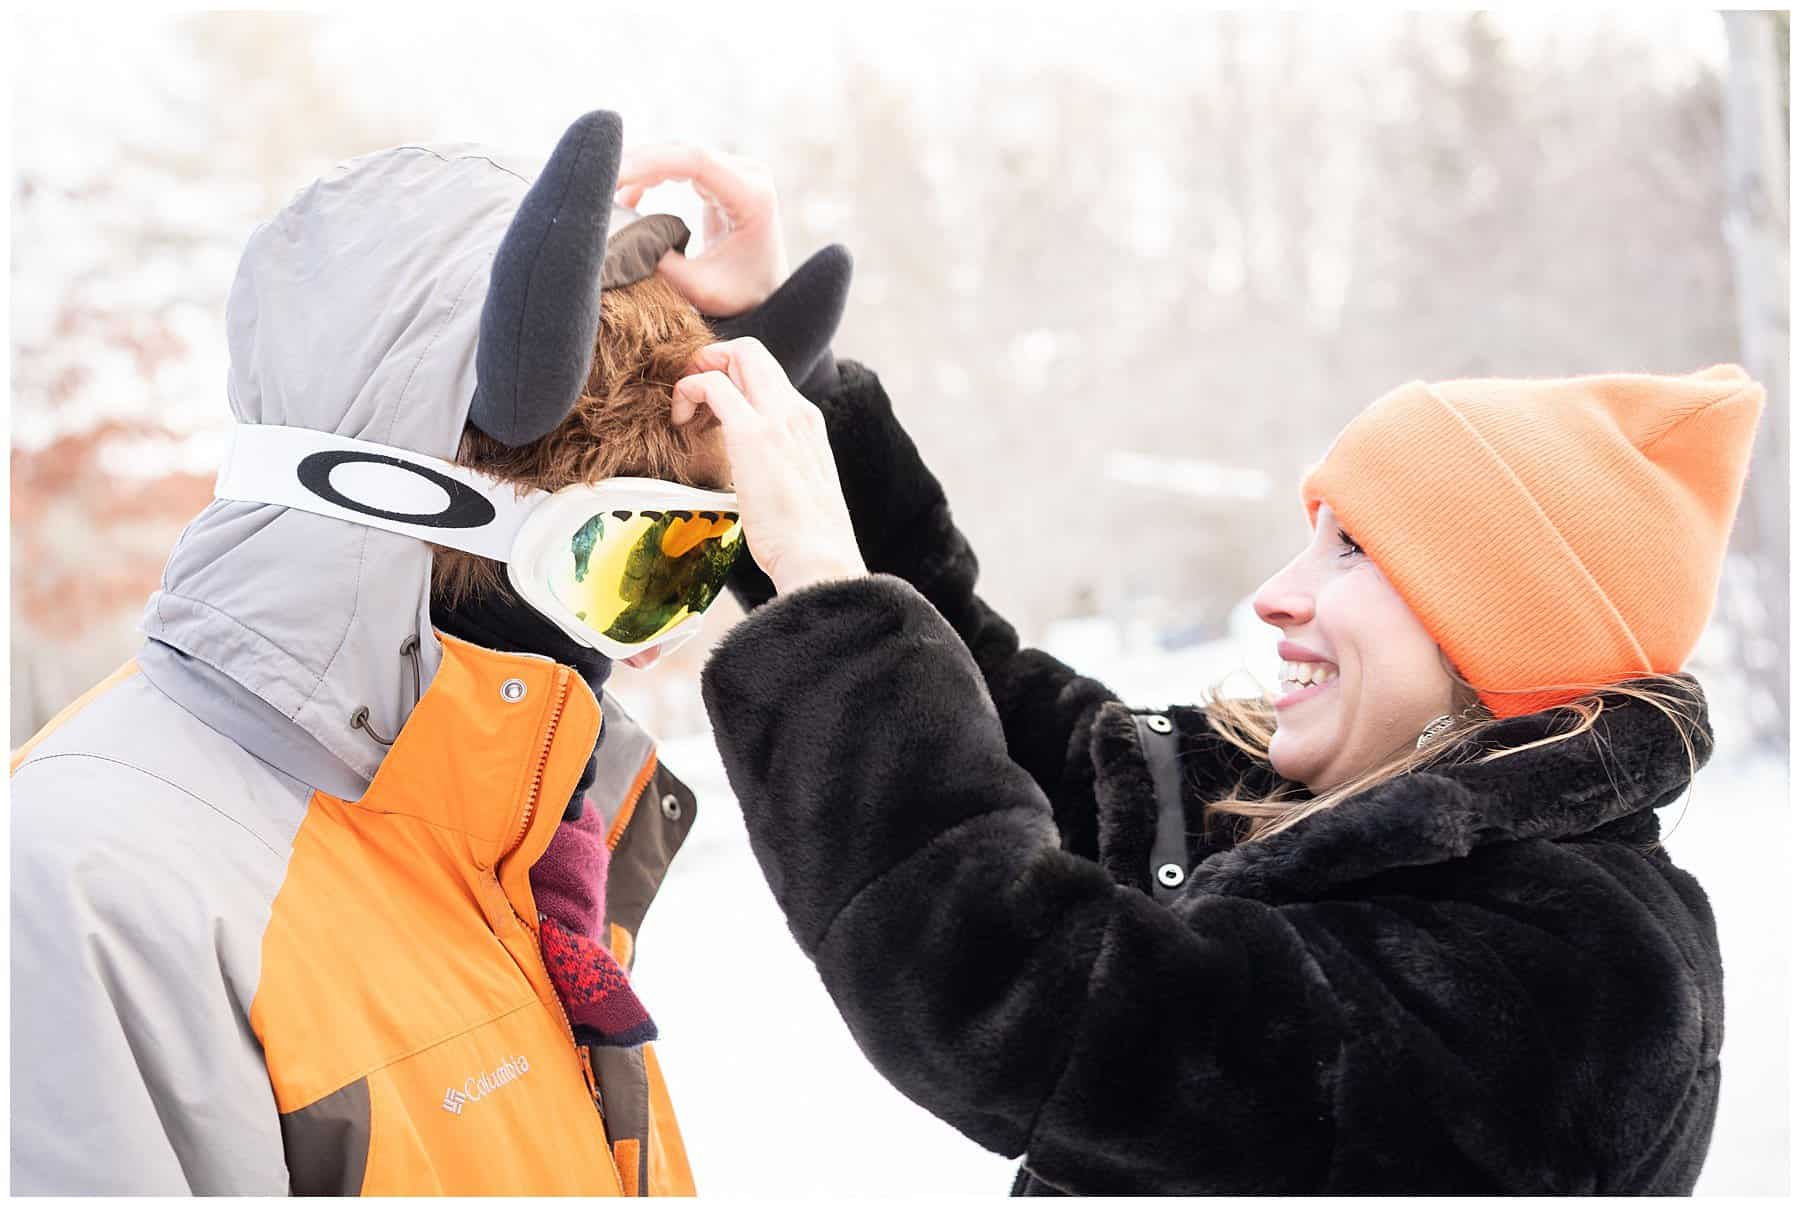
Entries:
{"x":543,"y":759}
{"x":537,"y":948}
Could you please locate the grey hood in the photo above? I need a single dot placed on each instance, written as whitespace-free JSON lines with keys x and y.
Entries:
{"x":408,"y":292}
{"x":355,"y":311}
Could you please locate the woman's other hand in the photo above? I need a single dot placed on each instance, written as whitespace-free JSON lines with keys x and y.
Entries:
{"x":743,"y":259}
{"x":793,"y":508}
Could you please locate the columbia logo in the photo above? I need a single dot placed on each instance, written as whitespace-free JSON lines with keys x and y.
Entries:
{"x":482,"y":1084}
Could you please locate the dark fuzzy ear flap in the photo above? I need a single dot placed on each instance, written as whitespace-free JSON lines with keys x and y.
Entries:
{"x":543,"y":301}
{"x":798,"y":321}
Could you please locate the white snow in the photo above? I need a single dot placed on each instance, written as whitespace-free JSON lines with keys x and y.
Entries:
{"x":1735,"y":838}
{"x":773,"y":1095}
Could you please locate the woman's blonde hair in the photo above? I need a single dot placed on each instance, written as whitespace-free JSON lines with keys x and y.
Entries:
{"x":619,"y":426}
{"x":1249,"y":723}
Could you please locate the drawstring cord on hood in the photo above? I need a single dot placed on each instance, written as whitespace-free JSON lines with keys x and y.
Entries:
{"x":360,"y":718}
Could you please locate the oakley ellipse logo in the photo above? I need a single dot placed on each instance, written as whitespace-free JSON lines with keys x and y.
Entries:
{"x":464,"y":509}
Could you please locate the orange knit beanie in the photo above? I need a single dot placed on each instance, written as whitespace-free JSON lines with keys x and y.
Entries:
{"x":1549,"y":532}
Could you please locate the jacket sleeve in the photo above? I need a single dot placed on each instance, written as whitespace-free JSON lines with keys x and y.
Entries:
{"x":904,"y":528}
{"x":134,"y":1068}
{"x":1001,"y":982}
{"x":1531,"y":1019}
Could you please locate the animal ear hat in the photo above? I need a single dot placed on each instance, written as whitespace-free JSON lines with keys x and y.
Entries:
{"x":542,"y":311}
{"x":393,"y":300}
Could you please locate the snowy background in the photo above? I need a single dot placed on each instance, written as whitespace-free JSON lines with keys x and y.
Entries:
{"x":1124,"y":272}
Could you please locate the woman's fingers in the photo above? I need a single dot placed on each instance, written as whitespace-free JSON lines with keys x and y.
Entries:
{"x":753,"y":369}
{"x":743,"y":258}
{"x":739,"y":189}
{"x":792,"y":505}
{"x":714,"y":357}
{"x":715,"y":391}
{"x":689,"y":277}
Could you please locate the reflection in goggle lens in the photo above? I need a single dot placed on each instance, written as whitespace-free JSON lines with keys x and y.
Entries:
{"x":635,"y":575}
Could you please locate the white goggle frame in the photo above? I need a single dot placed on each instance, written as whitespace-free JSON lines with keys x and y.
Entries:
{"x":401,"y":491}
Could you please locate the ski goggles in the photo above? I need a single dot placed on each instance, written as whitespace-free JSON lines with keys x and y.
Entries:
{"x":621,"y":566}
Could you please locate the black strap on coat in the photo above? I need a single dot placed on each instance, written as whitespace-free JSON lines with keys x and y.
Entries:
{"x":1168,"y":851}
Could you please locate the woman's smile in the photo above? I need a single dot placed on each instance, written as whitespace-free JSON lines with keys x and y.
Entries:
{"x":1305,"y":693}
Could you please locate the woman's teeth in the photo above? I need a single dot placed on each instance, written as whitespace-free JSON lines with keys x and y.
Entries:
{"x":1305,"y":674}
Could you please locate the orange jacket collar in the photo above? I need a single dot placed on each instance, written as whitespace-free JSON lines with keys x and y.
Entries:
{"x":492,"y":751}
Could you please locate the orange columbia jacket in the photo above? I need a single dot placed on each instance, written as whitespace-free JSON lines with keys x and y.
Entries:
{"x":259,"y":949}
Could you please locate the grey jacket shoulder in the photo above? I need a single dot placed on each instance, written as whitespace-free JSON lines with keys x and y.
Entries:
{"x":146,"y":853}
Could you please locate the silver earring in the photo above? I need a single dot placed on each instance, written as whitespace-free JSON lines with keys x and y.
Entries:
{"x":1431,"y":731}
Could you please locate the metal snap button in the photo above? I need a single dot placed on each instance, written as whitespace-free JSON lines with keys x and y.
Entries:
{"x":1158,"y":723}
{"x":1171,"y":875}
{"x":512,"y":691}
{"x":671,"y":807}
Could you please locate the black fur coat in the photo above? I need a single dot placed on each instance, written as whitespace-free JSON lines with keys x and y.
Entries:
{"x":1472,"y":980}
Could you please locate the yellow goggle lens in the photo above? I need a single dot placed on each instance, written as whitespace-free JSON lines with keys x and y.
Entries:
{"x":634,"y":575}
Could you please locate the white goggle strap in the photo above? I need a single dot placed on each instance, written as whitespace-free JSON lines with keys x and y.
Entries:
{"x":375,"y":485}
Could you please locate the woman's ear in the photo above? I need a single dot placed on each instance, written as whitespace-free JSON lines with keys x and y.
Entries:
{"x":1463,"y":696}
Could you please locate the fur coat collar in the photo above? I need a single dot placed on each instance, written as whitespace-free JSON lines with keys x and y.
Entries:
{"x":1606,"y":782}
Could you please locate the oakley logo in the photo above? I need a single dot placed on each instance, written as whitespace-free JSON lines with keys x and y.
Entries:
{"x":475,"y":1088}
{"x":465,"y":508}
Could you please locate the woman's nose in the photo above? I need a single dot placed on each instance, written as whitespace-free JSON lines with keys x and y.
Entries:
{"x":1281,"y":602}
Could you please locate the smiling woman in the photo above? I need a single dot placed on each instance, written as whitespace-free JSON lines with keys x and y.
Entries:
{"x":1421,"y":957}
{"x":1440,"y":947}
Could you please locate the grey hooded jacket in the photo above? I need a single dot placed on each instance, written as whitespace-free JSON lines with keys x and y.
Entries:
{"x":154,"y":829}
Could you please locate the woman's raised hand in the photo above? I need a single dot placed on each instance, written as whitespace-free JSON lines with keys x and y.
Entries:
{"x":792,"y":506}
{"x":743,"y":259}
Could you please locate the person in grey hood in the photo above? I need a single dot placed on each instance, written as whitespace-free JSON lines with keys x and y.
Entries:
{"x":335,"y":886}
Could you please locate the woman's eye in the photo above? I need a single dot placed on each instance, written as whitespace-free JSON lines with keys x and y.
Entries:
{"x":1352,"y":549}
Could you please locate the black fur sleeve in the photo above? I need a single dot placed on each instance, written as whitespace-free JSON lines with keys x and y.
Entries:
{"x":1006,"y":985}
{"x":1522,"y":1017}
{"x":904,"y":528}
